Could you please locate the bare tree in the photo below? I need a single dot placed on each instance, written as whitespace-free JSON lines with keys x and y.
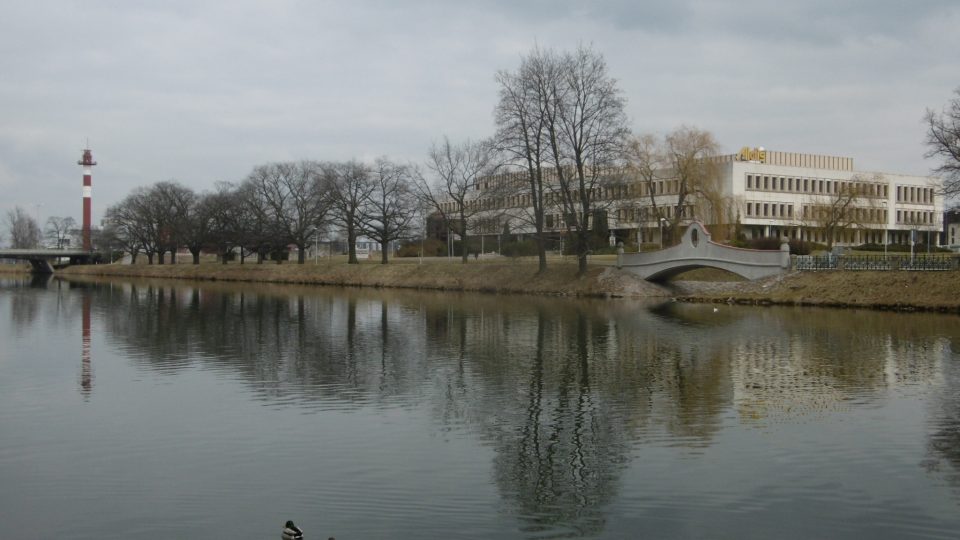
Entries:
{"x":586,"y":127}
{"x":943,"y":141}
{"x":200,"y":223}
{"x":226,"y":220}
{"x":350,"y":186}
{"x":522,"y":135}
{"x":391,"y":206}
{"x":849,"y":204}
{"x":453,"y":193}
{"x":129,"y":225}
{"x":24,"y":230}
{"x":170,"y":206}
{"x":287,"y":203}
{"x":59,"y":230}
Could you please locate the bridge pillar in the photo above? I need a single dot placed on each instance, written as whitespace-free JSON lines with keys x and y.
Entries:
{"x":41,"y":266}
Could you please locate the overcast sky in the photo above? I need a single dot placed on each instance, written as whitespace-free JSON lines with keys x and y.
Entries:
{"x":203,"y":91}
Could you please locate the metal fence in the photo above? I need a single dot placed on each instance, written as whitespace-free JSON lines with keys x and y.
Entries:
{"x":923,"y":263}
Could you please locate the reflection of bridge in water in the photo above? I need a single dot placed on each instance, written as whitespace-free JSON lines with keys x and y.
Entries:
{"x":43,"y":261}
{"x":696,"y":250}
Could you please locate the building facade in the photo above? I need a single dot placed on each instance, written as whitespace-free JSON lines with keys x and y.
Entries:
{"x":753,"y":193}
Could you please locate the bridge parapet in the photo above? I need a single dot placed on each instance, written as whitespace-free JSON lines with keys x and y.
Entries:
{"x":697,"y":250}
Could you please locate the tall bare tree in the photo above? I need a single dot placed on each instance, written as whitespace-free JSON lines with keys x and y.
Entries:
{"x":24,"y":230}
{"x":59,"y":230}
{"x":586,"y":128}
{"x":943,"y":141}
{"x":522,"y":135}
{"x":391,"y":207}
{"x":452,"y":191}
{"x":350,"y":186}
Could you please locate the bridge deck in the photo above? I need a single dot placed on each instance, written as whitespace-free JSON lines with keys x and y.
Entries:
{"x":40,"y":259}
{"x":696,"y":250}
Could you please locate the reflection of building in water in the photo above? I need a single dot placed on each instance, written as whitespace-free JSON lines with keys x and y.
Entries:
{"x":776,"y":379}
{"x":781,"y":378}
{"x":86,"y":368}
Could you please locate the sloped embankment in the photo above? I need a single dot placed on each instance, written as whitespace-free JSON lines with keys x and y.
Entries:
{"x":559,"y":279}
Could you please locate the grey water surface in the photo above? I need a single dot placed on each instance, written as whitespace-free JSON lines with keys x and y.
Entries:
{"x":167,"y":410}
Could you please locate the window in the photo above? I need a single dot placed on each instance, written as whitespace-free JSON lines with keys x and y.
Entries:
{"x":749,"y":181}
{"x":749,"y":209}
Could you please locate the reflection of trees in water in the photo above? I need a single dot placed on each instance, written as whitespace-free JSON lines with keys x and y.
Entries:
{"x":561,"y":390}
{"x":325,"y":346}
{"x":944,"y":438}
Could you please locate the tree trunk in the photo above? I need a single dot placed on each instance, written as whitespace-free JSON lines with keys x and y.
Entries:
{"x":196,"y":256}
{"x":541,"y":253}
{"x":301,"y":253}
{"x":161,"y":256}
{"x":383,"y":252}
{"x":351,"y":245}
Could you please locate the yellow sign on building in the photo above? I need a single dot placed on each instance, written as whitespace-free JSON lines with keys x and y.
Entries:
{"x":752,"y":154}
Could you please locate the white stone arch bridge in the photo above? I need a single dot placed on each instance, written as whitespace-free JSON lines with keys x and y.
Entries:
{"x":696,"y":250}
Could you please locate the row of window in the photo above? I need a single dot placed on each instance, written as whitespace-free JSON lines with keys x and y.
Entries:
{"x":776,"y":210}
{"x":756,"y":182}
{"x":915,"y":217}
{"x":646,"y":214}
{"x":914,"y":194}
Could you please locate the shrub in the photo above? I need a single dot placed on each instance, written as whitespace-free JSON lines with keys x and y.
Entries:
{"x":431,"y":248}
{"x":765,"y":242}
{"x":525,"y":248}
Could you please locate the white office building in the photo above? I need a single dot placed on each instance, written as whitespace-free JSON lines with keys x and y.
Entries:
{"x":756,"y":193}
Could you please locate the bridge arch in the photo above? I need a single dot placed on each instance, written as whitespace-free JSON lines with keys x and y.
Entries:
{"x":697,"y":250}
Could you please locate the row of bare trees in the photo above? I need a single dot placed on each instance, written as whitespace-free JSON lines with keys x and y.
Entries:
{"x":277,"y":205}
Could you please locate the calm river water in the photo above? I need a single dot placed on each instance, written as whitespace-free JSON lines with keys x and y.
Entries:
{"x":170,"y":410}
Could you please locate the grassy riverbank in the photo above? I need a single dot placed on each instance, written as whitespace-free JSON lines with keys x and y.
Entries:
{"x":929,"y":291}
{"x":902,"y":291}
{"x":507,"y":277}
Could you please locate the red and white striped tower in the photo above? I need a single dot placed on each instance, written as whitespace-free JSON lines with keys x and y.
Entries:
{"x":87,"y":162}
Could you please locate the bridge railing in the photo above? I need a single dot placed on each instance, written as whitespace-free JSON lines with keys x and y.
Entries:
{"x":918,"y":263}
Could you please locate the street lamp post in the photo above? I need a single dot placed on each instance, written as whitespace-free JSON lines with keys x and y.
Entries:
{"x":662,"y":221}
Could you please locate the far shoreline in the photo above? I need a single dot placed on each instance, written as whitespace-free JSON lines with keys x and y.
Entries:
{"x":900,"y":291}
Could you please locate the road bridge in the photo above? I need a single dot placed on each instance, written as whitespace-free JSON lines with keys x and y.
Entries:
{"x":696,"y":250}
{"x":43,"y":261}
